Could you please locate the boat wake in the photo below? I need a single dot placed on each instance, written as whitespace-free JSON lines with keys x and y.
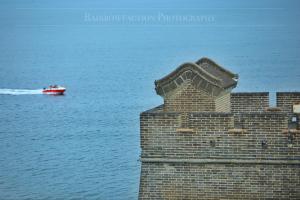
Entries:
{"x":20,"y":91}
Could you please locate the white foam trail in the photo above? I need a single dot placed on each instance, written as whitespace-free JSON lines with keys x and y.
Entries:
{"x":20,"y":91}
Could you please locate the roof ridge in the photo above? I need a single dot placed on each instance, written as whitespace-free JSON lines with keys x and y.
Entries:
{"x":213,"y":79}
{"x":203,"y":59}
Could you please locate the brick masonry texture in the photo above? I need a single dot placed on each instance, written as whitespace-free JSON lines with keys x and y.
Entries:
{"x":223,"y":103}
{"x":249,"y":102}
{"x":188,"y":99}
{"x":285,"y":100}
{"x":212,"y":138}
{"x":230,"y":146}
{"x":219,"y":181}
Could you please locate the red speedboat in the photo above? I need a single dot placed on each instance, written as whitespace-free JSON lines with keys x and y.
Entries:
{"x":54,"y":89}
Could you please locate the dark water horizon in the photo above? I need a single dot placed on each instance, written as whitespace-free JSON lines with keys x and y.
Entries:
{"x":85,"y":144}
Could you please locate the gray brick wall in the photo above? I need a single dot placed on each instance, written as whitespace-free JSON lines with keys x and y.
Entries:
{"x":285,"y":100}
{"x":223,"y":103}
{"x":212,"y":137}
{"x":187,"y":98}
{"x":245,"y":102}
{"x":219,"y":181}
{"x":245,"y":154}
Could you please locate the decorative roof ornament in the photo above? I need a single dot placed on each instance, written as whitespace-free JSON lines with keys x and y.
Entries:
{"x":205,"y":75}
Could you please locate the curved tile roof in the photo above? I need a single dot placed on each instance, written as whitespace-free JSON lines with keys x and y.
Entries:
{"x":228,"y":78}
{"x":204,"y":74}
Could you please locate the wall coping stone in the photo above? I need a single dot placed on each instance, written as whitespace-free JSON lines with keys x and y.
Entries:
{"x":285,"y":93}
{"x":237,"y":131}
{"x":291,"y":131}
{"x":250,"y":93}
{"x":260,"y":114}
{"x":160,"y":113}
{"x":221,"y":161}
{"x":157,"y":112}
{"x":210,"y":114}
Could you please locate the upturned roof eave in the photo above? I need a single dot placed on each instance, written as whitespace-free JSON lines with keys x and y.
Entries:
{"x":166,"y":79}
{"x":199,"y":71}
{"x":205,"y":59}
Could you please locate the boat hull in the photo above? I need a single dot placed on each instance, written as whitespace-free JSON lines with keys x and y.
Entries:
{"x":54,"y":91}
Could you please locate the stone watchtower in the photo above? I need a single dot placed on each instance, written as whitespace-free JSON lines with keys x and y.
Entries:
{"x":203,"y":86}
{"x":205,"y":142}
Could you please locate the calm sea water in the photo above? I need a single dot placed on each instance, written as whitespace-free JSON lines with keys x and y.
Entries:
{"x":85,"y":144}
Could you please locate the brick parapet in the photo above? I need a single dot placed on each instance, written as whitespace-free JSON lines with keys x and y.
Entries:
{"x":245,"y":102}
{"x":209,"y":135}
{"x":205,"y":143}
{"x":286,"y":100}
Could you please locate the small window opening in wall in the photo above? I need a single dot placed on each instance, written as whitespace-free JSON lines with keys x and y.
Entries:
{"x":212,"y":143}
{"x":264,"y":144}
{"x":290,"y":139}
{"x":295,"y":119}
{"x":293,"y":123}
{"x":296,"y":108}
{"x":272,"y":99}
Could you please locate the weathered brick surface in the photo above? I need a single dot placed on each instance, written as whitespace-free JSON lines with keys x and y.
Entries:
{"x":223,"y":103}
{"x":212,"y":139}
{"x":263,"y":140}
{"x":188,"y":98}
{"x":219,"y":181}
{"x":227,"y":146}
{"x":249,"y":102}
{"x":286,"y":100}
